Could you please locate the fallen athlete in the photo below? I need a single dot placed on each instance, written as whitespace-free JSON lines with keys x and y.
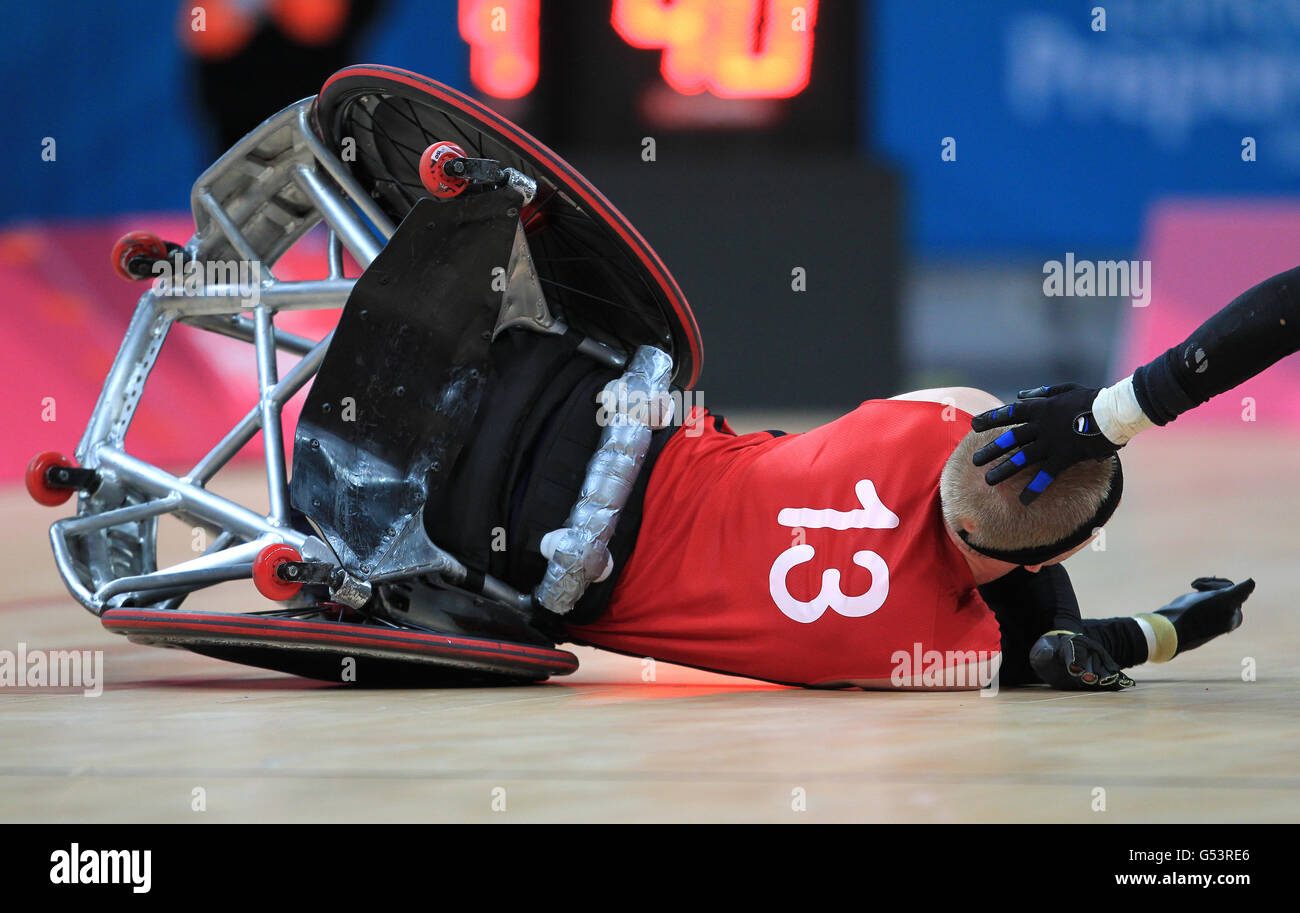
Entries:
{"x":853,"y":553}
{"x":844,"y":555}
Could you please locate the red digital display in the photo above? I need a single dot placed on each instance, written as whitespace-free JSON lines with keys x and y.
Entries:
{"x":503,"y":44}
{"x":729,"y":48}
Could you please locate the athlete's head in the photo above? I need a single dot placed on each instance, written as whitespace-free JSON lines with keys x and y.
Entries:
{"x":991,"y":519}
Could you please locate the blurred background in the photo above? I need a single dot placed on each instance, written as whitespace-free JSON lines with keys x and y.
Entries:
{"x":858,"y":198}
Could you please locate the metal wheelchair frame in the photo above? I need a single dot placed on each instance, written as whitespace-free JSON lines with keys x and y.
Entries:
{"x":252,"y":205}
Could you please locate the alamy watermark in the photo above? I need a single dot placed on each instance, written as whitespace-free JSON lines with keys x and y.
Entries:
{"x":77,"y":866}
{"x":621,"y":406}
{"x":1073,"y":278}
{"x":25,"y":668}
{"x":946,"y":669}
{"x":178,"y":276}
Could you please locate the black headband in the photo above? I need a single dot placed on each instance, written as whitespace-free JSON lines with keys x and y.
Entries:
{"x":1043,"y":553}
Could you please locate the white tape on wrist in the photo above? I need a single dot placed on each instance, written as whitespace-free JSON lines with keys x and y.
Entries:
{"x":1150,"y":634}
{"x":1118,"y":414}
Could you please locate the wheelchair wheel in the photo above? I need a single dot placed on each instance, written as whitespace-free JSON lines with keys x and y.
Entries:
{"x":597,"y":271}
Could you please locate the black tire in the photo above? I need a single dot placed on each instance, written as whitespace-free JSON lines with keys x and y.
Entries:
{"x":599,"y":274}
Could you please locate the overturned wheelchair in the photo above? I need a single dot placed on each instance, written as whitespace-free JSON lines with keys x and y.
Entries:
{"x":501,"y":295}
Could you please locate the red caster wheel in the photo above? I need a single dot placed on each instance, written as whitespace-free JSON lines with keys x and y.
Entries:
{"x":432,"y":176}
{"x":135,"y":253}
{"x":265,"y":578}
{"x":38,"y":484}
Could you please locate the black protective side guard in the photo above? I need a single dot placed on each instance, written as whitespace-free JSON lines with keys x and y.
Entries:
{"x":400,"y":385}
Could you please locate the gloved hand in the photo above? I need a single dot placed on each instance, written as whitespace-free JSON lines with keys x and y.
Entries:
{"x":1055,"y":429}
{"x":1075,"y":662}
{"x":1214,"y":609}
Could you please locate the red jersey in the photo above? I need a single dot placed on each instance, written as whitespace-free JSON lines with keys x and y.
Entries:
{"x":814,"y":558}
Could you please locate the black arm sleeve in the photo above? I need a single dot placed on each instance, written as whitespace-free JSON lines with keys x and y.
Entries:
{"x":1260,"y":327}
{"x":1027,"y":606}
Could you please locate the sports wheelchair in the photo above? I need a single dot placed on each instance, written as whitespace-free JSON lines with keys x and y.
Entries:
{"x":477,"y":243}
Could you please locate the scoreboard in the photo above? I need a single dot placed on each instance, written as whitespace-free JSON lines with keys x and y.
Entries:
{"x":595,"y":72}
{"x":757,"y":176}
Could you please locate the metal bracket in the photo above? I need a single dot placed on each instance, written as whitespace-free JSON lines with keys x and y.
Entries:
{"x":524,"y":303}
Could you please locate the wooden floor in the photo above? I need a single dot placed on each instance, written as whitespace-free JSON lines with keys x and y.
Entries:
{"x":1193,"y":742}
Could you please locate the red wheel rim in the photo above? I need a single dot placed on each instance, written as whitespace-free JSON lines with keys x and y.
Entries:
{"x":265,"y":578}
{"x":38,"y":486}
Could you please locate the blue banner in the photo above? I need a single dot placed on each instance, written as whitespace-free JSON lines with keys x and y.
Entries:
{"x":1027,"y":127}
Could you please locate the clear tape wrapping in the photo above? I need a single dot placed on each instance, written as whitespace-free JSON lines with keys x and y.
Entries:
{"x":633,"y":406}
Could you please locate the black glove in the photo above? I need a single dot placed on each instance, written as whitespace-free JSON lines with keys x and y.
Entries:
{"x":1055,"y":429}
{"x":1214,"y":609}
{"x":1075,"y":662}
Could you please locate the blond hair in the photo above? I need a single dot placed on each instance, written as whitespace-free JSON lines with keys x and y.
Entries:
{"x":1001,"y":521}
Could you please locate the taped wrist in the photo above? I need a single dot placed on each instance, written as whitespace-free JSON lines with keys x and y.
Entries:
{"x":1161,"y":637}
{"x":1118,"y":414}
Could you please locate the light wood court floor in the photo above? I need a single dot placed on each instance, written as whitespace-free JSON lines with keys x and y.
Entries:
{"x":1193,"y":742}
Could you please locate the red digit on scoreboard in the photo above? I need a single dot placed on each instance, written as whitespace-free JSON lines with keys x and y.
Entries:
{"x":503,"y":44}
{"x":732,"y":48}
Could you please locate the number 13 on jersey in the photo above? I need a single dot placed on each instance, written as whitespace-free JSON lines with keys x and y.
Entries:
{"x":873,"y":514}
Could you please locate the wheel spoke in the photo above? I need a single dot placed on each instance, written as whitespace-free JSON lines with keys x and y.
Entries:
{"x":579,"y":258}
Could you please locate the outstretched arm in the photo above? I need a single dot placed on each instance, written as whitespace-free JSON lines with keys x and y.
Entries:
{"x":1044,"y":639}
{"x":1065,"y":424}
{"x":1258,"y":329}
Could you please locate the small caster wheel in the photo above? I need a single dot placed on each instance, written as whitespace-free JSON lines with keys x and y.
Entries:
{"x":432,"y":174}
{"x":265,"y":578}
{"x":38,"y":481}
{"x":135,"y":253}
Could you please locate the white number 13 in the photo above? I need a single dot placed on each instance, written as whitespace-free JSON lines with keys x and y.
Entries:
{"x":872,"y":515}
